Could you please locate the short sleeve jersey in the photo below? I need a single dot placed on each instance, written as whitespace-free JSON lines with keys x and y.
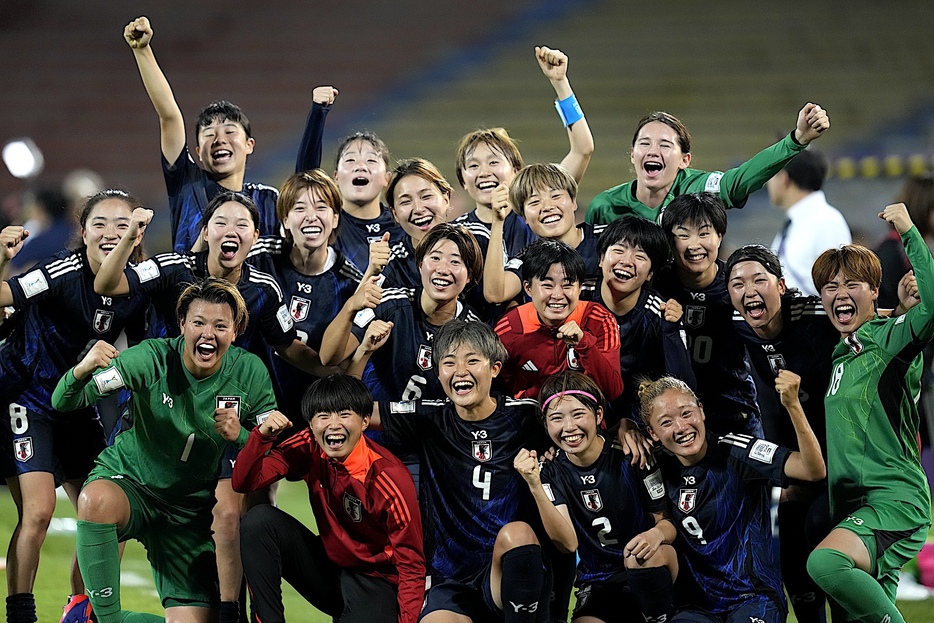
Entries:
{"x":355,"y":235}
{"x":720,"y":507}
{"x":588,"y":250}
{"x":609,"y":502}
{"x":191,"y":189}
{"x":469,"y":486}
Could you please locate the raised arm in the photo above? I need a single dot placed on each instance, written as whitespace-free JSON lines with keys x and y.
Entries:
{"x":555,"y":519}
{"x":73,"y":390}
{"x":499,"y":285}
{"x":11,"y":241}
{"x":554,"y":64}
{"x":110,"y":279}
{"x":138,"y":35}
{"x":807,"y":463}
{"x":309,"y":151}
{"x":921,"y":316}
{"x":259,"y":464}
{"x":338,"y":341}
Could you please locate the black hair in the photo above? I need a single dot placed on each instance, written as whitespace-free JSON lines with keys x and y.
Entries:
{"x":230,"y":195}
{"x":753,"y":253}
{"x":219,"y":111}
{"x":539,"y":257}
{"x":637,"y":232}
{"x":368,"y":137}
{"x":136,"y":255}
{"x":336,"y":393}
{"x":696,"y":208}
{"x":807,"y":170}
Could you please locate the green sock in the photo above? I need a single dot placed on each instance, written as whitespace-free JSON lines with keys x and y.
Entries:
{"x":857,"y":592}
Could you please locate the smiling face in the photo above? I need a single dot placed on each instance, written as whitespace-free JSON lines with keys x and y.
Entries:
{"x":756,"y":295}
{"x":626,"y":268}
{"x":466,"y":376}
{"x":484,"y":169}
{"x":418,"y":205}
{"x":848,"y":303}
{"x":223,"y":147}
{"x":657,"y":157}
{"x":208,"y":331}
{"x":550,"y":212}
{"x":573,"y":426}
{"x":444,"y":275}
{"x":230,"y":233}
{"x":696,"y":248}
{"x":311,"y":220}
{"x":677,"y":421}
{"x":338,"y":433}
{"x":555,"y":297}
{"x":361,"y":173}
{"x":106,"y":224}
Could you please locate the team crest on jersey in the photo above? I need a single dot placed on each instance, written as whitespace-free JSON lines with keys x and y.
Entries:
{"x":353,"y":507}
{"x":229,"y":402}
{"x":482,"y":450}
{"x":852,"y":340}
{"x":424,"y":357}
{"x":694,"y":316}
{"x":22,"y":448}
{"x":573,"y":361}
{"x":777,"y":363}
{"x":592,"y":500}
{"x":299,"y":308}
{"x":103,"y":319}
{"x":686,"y":499}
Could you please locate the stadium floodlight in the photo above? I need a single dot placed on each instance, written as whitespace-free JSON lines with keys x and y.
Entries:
{"x":23,"y":158}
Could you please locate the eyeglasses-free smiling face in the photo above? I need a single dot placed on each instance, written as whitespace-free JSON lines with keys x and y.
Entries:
{"x":555,"y":297}
{"x":677,"y":421}
{"x":756,"y":295}
{"x":849,"y":303}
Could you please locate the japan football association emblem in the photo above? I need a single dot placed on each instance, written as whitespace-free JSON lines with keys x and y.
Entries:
{"x":777,"y":363}
{"x":573,"y":362}
{"x":229,"y":402}
{"x":424,"y":357}
{"x":482,"y":450}
{"x":22,"y":448}
{"x":694,"y":316}
{"x":102,"y":320}
{"x":299,"y":308}
{"x":353,"y":507}
{"x":686,"y":499}
{"x":592,"y":499}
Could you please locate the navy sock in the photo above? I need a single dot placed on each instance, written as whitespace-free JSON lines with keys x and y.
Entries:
{"x":21,"y":608}
{"x":230,"y":612}
{"x":653,"y":589}
{"x":807,"y":598}
{"x":521,"y":588}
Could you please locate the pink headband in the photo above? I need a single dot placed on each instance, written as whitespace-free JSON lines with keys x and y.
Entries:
{"x":579,"y":392}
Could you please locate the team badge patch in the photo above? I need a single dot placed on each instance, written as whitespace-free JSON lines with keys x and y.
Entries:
{"x":108,"y":380}
{"x":686,"y":499}
{"x":299,"y":308}
{"x":229,"y":402}
{"x":777,"y":363}
{"x":353,"y":507}
{"x":694,"y":316}
{"x":573,"y":362}
{"x":103,"y":319}
{"x":424,"y":357}
{"x":482,"y":450}
{"x":22,"y":449}
{"x":592,"y":499}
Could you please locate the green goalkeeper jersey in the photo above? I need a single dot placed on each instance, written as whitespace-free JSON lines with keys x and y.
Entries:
{"x":172,"y":448}
{"x":871,"y":404}
{"x":732,"y":186}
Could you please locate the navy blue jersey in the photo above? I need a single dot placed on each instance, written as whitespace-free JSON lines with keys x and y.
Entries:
{"x":721,"y":366}
{"x":402,"y":271}
{"x":649,"y":346}
{"x":720,"y":507}
{"x":355,"y":235}
{"x":609,"y":502}
{"x":516,"y":232}
{"x":190,"y":191}
{"x":59,"y":315}
{"x":468,"y":482}
{"x":804,"y":346}
{"x":401,"y":369}
{"x":588,"y":249}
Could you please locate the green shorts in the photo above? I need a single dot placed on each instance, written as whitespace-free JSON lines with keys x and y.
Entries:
{"x":892,"y":536}
{"x":178,"y":544}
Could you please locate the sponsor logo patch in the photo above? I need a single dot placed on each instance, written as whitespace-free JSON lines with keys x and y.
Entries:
{"x":146,"y":271}
{"x":655,"y":485}
{"x":33,"y":283}
{"x":108,"y":381}
{"x":284,"y":318}
{"x":763,"y":451}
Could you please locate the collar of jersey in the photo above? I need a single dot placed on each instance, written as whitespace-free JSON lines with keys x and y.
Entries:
{"x":531,"y":323}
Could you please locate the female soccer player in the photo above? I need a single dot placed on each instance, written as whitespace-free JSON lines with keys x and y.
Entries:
{"x":592,"y":500}
{"x":661,"y":154}
{"x":59,"y":313}
{"x":879,"y":495}
{"x":717,"y":489}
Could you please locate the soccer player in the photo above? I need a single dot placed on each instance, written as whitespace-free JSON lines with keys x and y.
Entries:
{"x":592,"y":500}
{"x":557,"y":331}
{"x":368,"y":560}
{"x":661,"y":155}
{"x":695,"y":224}
{"x":486,"y":563}
{"x":879,"y":495}
{"x":156,"y":482}
{"x":224,"y":140}
{"x":718,"y":494}
{"x":652,"y":341}
{"x":58,"y":314}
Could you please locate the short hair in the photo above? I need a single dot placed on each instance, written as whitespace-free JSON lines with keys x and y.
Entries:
{"x":367,"y":137}
{"x":649,"y":391}
{"x":317,"y":181}
{"x":477,"y":334}
{"x":856,"y":261}
{"x":637,"y":232}
{"x":542,"y":254}
{"x":466,"y":244}
{"x":111,"y":193}
{"x":807,"y":170}
{"x":335,"y":393}
{"x":423,"y":169}
{"x":696,"y":208}
{"x":497,"y":139}
{"x":918,"y":196}
{"x":215,"y":290}
{"x":228,"y":196}
{"x":571,"y":381}
{"x":222,"y":110}
{"x":536,"y":177}
{"x":684,"y":137}
{"x":753,"y":253}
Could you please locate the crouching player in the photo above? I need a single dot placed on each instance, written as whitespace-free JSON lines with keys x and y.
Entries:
{"x":594,"y":501}
{"x":487,"y":562}
{"x":367,"y":565}
{"x":156,"y":482}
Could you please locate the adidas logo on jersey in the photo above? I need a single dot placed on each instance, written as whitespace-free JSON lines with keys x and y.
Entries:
{"x":529,"y":366}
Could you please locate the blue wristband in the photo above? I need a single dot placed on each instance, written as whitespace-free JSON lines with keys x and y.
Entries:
{"x":569,"y":110}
